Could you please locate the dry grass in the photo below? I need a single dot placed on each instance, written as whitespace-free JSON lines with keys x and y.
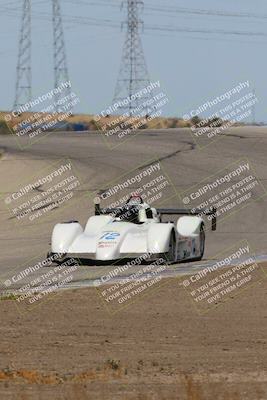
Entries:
{"x":89,"y":121}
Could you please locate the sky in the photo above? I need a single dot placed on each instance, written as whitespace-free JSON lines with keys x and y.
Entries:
{"x":192,"y":67}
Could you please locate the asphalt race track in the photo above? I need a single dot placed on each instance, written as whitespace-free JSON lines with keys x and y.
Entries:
{"x":97,"y":165}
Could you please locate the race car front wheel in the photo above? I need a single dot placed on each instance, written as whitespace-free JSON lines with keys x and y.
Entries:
{"x":54,"y":258}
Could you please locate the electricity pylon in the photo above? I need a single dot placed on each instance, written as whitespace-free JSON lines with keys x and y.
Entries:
{"x":133,"y":74}
{"x":24,"y":73}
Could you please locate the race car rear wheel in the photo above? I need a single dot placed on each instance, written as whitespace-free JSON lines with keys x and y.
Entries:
{"x":202,"y":239}
{"x":170,"y":256}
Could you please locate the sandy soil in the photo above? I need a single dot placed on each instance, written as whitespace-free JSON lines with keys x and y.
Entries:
{"x":158,"y":348}
{"x":70,"y":347}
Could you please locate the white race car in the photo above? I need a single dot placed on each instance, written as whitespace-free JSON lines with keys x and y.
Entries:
{"x":131,"y":231}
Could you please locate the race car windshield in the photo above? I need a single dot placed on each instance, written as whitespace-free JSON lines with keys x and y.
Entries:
{"x":128,"y":213}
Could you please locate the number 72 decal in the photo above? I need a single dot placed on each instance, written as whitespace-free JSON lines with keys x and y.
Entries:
{"x":110,"y":236}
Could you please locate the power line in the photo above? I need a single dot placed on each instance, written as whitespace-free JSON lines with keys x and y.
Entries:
{"x":217,"y":13}
{"x":204,"y":31}
{"x":110,"y":23}
{"x":94,"y":3}
{"x":173,"y":9}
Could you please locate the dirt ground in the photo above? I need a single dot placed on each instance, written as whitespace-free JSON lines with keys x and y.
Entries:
{"x":160,"y":347}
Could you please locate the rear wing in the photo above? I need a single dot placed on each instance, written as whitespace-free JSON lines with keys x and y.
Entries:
{"x":167,"y":211}
{"x":195,"y":211}
{"x":103,"y":211}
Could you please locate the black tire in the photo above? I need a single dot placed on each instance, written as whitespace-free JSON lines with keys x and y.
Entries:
{"x":202,"y":242}
{"x":56,"y":261}
{"x":170,"y":256}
